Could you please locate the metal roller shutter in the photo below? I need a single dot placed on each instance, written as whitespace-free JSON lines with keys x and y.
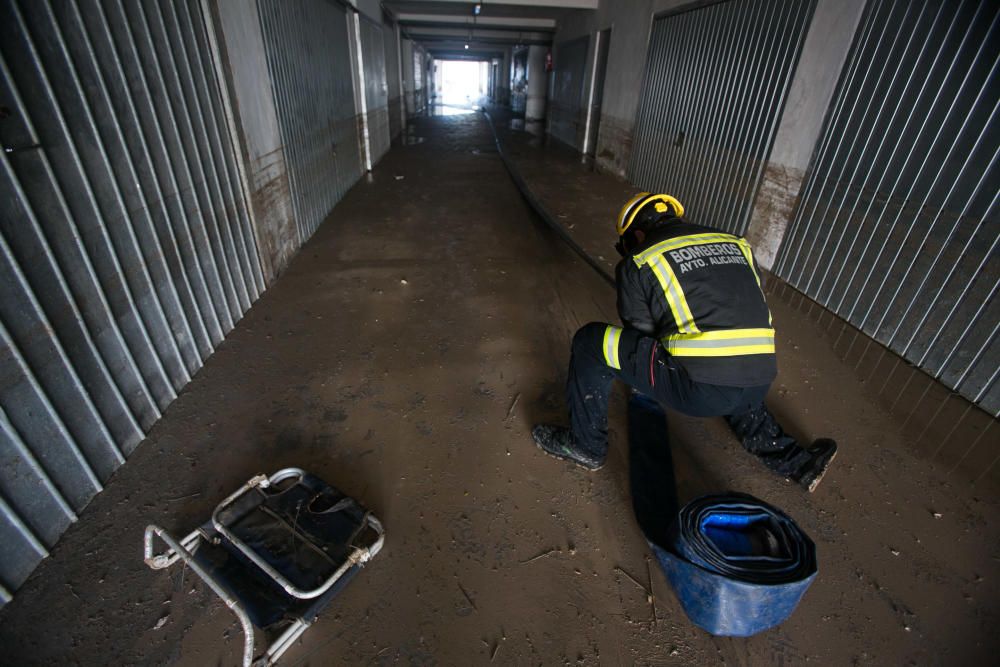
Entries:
{"x":714,"y":89}
{"x":376,"y":88}
{"x":897,"y":229}
{"x":309,"y":57}
{"x":126,"y":248}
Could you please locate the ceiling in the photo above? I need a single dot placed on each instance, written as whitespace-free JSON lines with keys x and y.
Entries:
{"x":450,"y":29}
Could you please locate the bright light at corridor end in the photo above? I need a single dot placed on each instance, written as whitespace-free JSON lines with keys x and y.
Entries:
{"x":462,"y":82}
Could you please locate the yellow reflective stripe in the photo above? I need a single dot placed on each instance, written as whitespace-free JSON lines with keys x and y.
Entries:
{"x":689,"y":324}
{"x":675,"y":295}
{"x":701,"y":344}
{"x":682,"y":242}
{"x":730,"y":342}
{"x":727,"y":334}
{"x":611,"y":337}
{"x":723,"y":351}
{"x":665,"y":284}
{"x":748,"y":254}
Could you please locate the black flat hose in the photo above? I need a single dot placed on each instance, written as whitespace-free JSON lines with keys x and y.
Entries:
{"x":541,"y":211}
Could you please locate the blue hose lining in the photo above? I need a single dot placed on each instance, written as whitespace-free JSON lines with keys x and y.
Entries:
{"x":737,"y":564}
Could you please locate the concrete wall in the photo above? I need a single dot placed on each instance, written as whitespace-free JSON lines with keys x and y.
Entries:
{"x":630,"y":22}
{"x":370,"y":8}
{"x":242,"y":52}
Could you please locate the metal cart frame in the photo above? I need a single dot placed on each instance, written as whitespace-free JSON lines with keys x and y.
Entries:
{"x":185,"y":548}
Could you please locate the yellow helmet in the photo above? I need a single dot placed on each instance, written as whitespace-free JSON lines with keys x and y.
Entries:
{"x":661,"y":203}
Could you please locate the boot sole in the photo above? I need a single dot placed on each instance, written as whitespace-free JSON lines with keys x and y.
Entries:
{"x":567,"y":458}
{"x":819,"y":478}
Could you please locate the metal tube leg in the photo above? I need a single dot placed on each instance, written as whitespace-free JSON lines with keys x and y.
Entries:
{"x":161,"y":561}
{"x":283,"y":643}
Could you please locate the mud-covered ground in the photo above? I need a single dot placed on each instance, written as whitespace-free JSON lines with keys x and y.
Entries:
{"x":403,"y":357}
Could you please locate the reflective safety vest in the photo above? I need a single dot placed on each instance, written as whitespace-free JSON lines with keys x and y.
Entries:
{"x":701,"y":294}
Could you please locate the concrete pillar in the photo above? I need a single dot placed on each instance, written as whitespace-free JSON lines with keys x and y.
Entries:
{"x":419,"y":79}
{"x":534,"y":108}
{"x":409,"y":86}
{"x":505,"y":77}
{"x":438,"y":80}
{"x":358,"y":79}
{"x":823,"y":54}
{"x":400,"y":75}
{"x":262,"y":157}
{"x":491,"y":84}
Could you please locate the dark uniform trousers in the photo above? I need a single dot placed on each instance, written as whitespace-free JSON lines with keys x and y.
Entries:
{"x":602,"y":352}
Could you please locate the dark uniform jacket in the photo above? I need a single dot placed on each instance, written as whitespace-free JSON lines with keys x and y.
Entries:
{"x":697,"y":291}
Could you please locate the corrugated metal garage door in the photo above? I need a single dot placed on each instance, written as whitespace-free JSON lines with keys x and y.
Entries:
{"x":714,"y":88}
{"x":897,"y":229}
{"x":308,"y":54}
{"x":376,"y":88}
{"x":566,"y":107}
{"x":126,"y":251}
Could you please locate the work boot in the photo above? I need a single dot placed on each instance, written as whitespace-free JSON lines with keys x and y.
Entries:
{"x":760,"y":432}
{"x":821,"y":455}
{"x":762,"y":436}
{"x":558,"y":441}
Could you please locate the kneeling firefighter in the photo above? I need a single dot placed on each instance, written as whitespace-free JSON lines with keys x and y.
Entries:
{"x":697,"y":337}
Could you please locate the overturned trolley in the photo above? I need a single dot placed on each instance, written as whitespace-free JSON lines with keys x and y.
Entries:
{"x":277,"y":551}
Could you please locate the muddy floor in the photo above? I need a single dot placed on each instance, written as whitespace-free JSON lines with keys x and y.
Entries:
{"x":404,"y":356}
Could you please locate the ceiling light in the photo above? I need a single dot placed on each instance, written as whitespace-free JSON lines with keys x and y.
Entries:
{"x":467,"y":46}
{"x":477,"y":9}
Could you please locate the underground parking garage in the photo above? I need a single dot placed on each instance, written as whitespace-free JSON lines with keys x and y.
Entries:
{"x":289,"y":285}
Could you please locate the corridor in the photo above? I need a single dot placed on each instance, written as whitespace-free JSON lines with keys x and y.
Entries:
{"x":357,"y":237}
{"x":404,"y":356}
